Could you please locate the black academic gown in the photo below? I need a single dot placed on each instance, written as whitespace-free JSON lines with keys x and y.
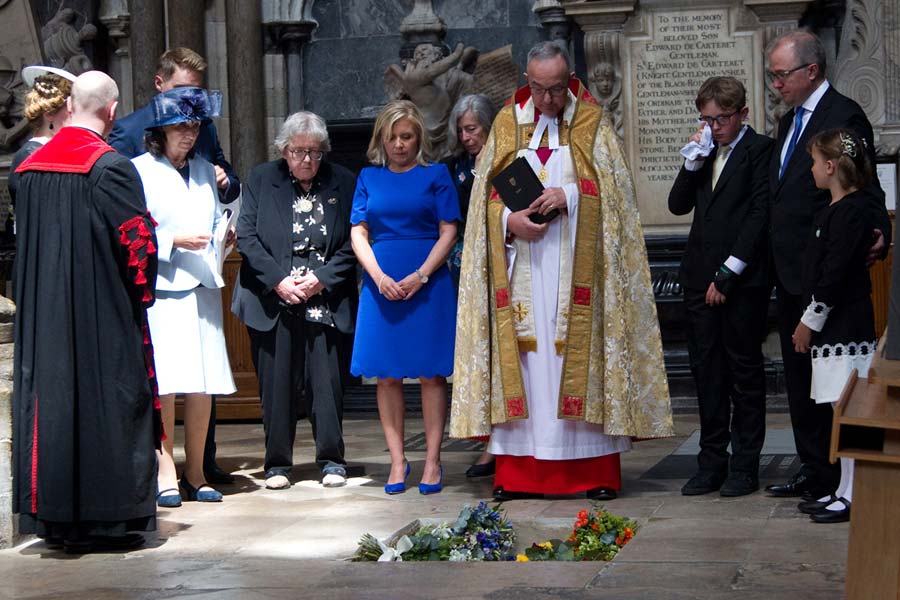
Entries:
{"x":85,"y":405}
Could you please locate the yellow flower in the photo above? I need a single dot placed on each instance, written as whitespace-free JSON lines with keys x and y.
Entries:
{"x":546,"y":545}
{"x":521,"y":558}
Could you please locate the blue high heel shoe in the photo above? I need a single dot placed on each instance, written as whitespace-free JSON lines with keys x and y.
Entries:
{"x":397,"y":488}
{"x":432,"y":488}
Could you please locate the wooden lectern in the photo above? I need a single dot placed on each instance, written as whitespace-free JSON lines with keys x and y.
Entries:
{"x":866,"y":427}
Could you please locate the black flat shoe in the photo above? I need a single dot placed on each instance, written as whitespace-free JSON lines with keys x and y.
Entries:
{"x":811,"y":507}
{"x":501,"y":495}
{"x":483,"y":470}
{"x":833,"y":516}
{"x":739,"y":483}
{"x":102,"y":543}
{"x":602,"y":493}
{"x":216,"y":474}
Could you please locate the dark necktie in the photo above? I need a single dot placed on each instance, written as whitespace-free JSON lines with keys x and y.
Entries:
{"x":798,"y":126}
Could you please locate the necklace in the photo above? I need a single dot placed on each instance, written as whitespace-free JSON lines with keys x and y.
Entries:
{"x":306,"y":204}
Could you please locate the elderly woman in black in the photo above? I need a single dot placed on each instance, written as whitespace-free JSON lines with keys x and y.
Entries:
{"x":467,"y":130}
{"x":296,"y":293}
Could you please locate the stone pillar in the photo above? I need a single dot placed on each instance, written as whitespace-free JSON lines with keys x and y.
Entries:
{"x":148,"y":42}
{"x":8,"y":531}
{"x":290,"y":38}
{"x":186,"y":20}
{"x":776,"y":17}
{"x":603,"y":23}
{"x":243,"y":31}
{"x":115,"y":17}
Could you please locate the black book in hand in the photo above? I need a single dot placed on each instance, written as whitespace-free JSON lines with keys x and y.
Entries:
{"x":518,"y":187}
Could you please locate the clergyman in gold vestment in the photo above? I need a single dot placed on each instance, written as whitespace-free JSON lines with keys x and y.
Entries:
{"x":558,"y":354}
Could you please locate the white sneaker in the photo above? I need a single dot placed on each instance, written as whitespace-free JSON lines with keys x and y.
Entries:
{"x":333,"y":480}
{"x":278,"y":482}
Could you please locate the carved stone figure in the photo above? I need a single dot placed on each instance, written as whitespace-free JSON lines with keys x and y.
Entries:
{"x":62,"y":42}
{"x":606,"y":86}
{"x":13,"y":125}
{"x":433,"y":83}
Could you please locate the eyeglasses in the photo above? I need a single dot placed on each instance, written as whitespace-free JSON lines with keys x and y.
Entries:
{"x":721,"y":120}
{"x":556,"y":91}
{"x":301,"y":153}
{"x":782,"y":75}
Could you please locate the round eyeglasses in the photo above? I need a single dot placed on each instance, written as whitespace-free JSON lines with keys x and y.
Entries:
{"x":302,"y":153}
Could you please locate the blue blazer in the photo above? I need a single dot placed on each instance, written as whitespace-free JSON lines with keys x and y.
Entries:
{"x":127,"y":138}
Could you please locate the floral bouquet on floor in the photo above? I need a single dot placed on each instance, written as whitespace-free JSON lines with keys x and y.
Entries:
{"x":479,"y":534}
{"x":596,"y":535}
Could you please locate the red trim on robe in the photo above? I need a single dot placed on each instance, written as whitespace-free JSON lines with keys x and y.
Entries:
{"x":515,"y":407}
{"x":34,"y":458}
{"x":588,"y":187}
{"x":72,"y":150}
{"x":582,"y":296}
{"x":573,"y":406}
{"x":501,"y":297}
{"x":535,"y":476}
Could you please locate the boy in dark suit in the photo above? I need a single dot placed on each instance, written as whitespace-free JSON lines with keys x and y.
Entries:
{"x":725,"y":282}
{"x":796,"y":68}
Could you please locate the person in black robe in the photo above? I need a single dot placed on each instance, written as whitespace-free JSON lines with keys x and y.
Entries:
{"x":85,"y":406}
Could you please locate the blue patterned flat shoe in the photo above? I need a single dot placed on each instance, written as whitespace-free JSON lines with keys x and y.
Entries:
{"x":397,"y":488}
{"x":198,"y":494}
{"x":432,"y":488}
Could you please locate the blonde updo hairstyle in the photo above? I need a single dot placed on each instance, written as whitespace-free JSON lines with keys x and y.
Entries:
{"x":384,"y":125}
{"x":47,"y":95}
{"x":848,"y":152}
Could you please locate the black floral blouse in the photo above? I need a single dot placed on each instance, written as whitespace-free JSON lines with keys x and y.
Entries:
{"x":309,"y":239}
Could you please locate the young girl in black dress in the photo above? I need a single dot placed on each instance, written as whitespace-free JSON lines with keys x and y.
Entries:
{"x":838,"y":326}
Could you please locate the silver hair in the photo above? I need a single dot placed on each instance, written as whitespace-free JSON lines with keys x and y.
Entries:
{"x":808,"y":48}
{"x":303,"y":123}
{"x":550,"y":49}
{"x":480,"y":107}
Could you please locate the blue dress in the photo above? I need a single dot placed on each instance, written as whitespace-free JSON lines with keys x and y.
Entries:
{"x":406,"y":338}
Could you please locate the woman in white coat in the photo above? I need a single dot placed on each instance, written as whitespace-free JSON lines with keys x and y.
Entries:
{"x":186,"y":320}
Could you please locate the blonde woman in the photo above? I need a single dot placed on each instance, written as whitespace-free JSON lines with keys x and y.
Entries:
{"x":403,"y":221}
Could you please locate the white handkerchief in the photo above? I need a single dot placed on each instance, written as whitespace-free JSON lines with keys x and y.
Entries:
{"x":693,"y":150}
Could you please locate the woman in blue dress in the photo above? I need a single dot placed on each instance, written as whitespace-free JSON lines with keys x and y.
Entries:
{"x":403,"y":221}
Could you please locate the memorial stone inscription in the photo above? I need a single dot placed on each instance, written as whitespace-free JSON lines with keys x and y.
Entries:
{"x":667,"y":67}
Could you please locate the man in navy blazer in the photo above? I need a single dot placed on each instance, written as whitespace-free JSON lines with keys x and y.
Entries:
{"x":797,"y":70}
{"x":178,"y":67}
{"x":725,"y":281}
{"x":182,"y":67}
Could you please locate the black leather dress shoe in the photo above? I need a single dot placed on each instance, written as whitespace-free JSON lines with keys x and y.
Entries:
{"x":602,"y":493}
{"x":811,"y":507}
{"x":703,"y":482}
{"x":833,"y":516}
{"x":501,"y":495}
{"x":216,"y":474}
{"x":739,"y":483}
{"x":798,"y":485}
{"x":482,"y":470}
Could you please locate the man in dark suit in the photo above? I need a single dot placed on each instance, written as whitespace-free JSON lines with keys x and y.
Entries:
{"x":182,"y":67}
{"x":178,"y":67}
{"x":724,"y":277}
{"x":797,"y":70}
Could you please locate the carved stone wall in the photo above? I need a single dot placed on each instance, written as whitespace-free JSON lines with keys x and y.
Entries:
{"x":7,"y":523}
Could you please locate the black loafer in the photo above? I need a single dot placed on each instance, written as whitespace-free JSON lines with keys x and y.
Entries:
{"x":811,"y":507}
{"x":798,"y":485}
{"x":703,"y":482}
{"x":501,"y":495}
{"x":483,"y":470}
{"x":602,"y":493}
{"x":216,"y":474}
{"x":739,"y":484}
{"x":833,"y":516}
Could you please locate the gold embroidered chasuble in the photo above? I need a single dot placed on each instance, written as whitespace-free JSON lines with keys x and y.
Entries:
{"x":607,"y":328}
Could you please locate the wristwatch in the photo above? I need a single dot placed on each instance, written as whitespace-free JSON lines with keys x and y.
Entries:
{"x":422,"y":276}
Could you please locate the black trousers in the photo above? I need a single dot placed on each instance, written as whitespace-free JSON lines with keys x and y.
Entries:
{"x":725,"y":345}
{"x":811,"y":422}
{"x":296,"y":357}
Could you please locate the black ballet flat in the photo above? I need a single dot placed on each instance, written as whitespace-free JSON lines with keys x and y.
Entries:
{"x":602,"y":493}
{"x":501,"y":495}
